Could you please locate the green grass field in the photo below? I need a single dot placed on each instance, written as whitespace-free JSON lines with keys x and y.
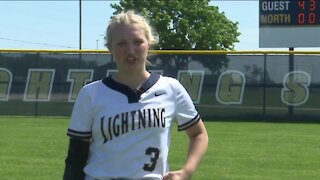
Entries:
{"x":35,"y":148}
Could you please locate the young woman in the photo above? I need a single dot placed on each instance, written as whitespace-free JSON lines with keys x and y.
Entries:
{"x":120,"y":126}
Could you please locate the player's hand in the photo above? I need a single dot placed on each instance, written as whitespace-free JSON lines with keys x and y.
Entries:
{"x":176,"y":175}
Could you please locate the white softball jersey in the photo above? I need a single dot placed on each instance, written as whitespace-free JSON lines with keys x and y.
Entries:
{"x":130,"y":130}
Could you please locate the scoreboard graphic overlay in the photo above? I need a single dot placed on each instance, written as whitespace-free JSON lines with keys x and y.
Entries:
{"x":290,"y":23}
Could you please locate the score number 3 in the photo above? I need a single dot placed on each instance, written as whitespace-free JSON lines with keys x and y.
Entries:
{"x":154,"y":153}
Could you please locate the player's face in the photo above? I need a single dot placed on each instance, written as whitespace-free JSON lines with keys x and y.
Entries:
{"x":130,"y":47}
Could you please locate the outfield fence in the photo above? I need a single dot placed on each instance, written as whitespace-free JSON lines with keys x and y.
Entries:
{"x":222,"y":84}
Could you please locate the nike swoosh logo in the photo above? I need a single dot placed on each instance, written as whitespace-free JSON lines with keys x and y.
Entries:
{"x":159,"y":94}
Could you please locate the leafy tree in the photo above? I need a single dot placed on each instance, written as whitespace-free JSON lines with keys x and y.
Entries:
{"x":185,"y":24}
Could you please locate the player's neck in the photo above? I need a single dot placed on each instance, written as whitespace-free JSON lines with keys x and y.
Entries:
{"x":132,"y":80}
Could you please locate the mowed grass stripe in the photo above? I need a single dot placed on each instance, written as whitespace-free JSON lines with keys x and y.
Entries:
{"x":35,"y":148}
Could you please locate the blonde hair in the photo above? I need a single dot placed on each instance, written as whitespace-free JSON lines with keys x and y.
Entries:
{"x":130,"y":17}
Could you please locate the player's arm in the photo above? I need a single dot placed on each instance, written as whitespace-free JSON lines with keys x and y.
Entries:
{"x":79,"y":132}
{"x":76,"y":159}
{"x":198,"y":143}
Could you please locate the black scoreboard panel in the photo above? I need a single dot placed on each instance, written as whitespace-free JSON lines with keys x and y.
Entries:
{"x":289,"y":12}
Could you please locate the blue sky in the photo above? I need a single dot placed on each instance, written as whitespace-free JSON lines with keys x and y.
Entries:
{"x":55,"y":24}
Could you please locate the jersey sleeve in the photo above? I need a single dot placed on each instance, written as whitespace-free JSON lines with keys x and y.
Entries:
{"x":186,"y":113}
{"x":81,"y":118}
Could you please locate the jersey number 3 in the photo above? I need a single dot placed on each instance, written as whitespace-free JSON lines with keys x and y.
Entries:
{"x":154,"y":153}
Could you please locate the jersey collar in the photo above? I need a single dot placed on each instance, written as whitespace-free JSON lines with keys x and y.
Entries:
{"x":132,"y":95}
